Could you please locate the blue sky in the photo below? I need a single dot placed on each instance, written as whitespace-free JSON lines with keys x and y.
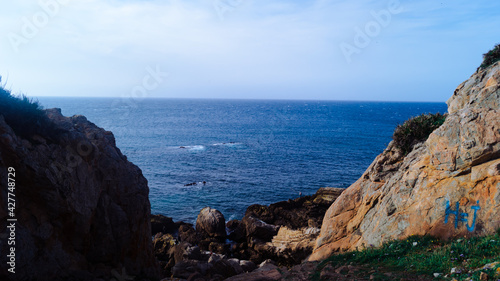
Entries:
{"x":331,"y":50}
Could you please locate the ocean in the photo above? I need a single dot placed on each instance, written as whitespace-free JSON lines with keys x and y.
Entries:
{"x":229,"y":154}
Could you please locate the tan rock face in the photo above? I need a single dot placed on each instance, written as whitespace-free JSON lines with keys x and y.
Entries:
{"x":293,"y":244}
{"x":447,"y":187}
{"x":82,"y":209}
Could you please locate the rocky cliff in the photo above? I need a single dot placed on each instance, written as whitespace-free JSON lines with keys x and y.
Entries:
{"x":448,"y":186}
{"x":82,"y":209}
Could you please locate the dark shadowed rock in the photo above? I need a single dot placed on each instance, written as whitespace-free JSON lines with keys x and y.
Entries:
{"x":211,"y":223}
{"x":306,"y":211}
{"x":257,"y":228}
{"x":83,"y":207}
{"x":247,"y":266}
{"x":188,"y":234}
{"x":185,"y":269}
{"x":185,"y":251}
{"x":235,"y":263}
{"x":161,"y":223}
{"x":236,"y":231}
{"x":226,"y":268}
{"x":196,"y":277}
{"x":219,"y":248}
{"x":267,"y":271}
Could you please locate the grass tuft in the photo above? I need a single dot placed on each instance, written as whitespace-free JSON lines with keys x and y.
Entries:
{"x":24,"y":115}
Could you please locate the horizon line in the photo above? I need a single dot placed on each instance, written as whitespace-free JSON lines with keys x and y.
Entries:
{"x":236,"y":99}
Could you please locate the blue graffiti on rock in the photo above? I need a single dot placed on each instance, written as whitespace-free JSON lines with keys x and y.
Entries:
{"x":461,"y":217}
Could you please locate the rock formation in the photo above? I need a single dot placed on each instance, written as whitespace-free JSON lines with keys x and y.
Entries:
{"x":82,"y":209}
{"x":284,"y":232}
{"x":448,"y":186}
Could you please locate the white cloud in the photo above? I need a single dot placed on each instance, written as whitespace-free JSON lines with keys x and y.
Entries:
{"x":97,"y":47}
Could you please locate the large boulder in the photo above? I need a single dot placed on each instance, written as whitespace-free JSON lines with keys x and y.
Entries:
{"x":448,"y":186}
{"x":82,"y":208}
{"x":211,"y":223}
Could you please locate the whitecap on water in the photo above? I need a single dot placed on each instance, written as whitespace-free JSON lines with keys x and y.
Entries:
{"x":230,"y":144}
{"x":193,"y":147}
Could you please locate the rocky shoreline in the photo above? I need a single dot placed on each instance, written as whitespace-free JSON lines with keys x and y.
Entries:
{"x":253,"y":248}
{"x":82,"y":209}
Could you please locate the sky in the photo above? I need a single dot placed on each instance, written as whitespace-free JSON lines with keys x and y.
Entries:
{"x":362,"y":50}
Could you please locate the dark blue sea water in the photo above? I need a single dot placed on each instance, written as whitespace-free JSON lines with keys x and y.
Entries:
{"x":245,"y":151}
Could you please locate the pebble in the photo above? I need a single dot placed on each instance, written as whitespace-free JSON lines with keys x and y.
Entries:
{"x":490,"y":265}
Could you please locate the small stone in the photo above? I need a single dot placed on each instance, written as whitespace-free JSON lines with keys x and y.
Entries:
{"x":266,"y":262}
{"x":247,"y":266}
{"x":436,"y":275}
{"x":342,"y":270}
{"x":483,"y":276}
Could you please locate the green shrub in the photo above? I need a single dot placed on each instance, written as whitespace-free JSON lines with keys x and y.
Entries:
{"x":491,"y":57}
{"x":416,"y":130}
{"x":24,"y":115}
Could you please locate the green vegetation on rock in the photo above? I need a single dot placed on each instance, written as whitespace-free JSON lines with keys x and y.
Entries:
{"x":460,"y":258}
{"x":491,"y":57}
{"x":416,"y":130}
{"x":24,"y":115}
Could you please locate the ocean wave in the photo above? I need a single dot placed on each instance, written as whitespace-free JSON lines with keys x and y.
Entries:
{"x":231,"y":144}
{"x":193,"y":147}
